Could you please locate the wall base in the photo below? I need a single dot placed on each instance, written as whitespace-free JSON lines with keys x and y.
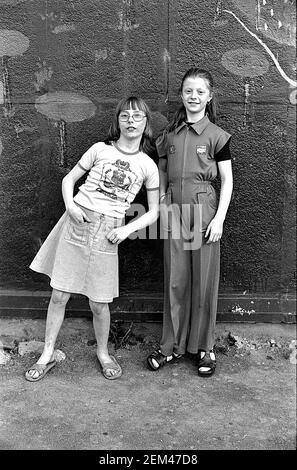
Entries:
{"x":148,"y":308}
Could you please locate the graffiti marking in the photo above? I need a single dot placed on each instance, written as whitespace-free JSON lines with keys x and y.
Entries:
{"x":281,"y":71}
{"x":43,"y":75}
{"x":1,"y":92}
{"x":64,"y":28}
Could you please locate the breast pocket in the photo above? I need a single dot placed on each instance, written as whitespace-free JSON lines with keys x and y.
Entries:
{"x":203,"y":152}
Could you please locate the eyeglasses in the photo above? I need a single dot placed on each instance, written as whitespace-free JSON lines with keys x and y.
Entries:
{"x":137,"y":116}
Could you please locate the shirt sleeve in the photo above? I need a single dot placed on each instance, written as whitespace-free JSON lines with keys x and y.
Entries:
{"x":89,"y":157}
{"x":162,"y":145}
{"x":224,"y":153}
{"x":151,"y":181}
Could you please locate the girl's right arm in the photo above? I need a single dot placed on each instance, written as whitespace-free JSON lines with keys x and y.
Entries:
{"x":68,"y":182}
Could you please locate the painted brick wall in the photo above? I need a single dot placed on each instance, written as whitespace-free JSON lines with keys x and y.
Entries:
{"x":87,"y":54}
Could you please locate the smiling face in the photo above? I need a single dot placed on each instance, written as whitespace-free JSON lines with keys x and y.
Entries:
{"x":195,"y":95}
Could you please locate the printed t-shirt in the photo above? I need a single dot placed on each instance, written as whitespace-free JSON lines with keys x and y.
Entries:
{"x":114,"y":179}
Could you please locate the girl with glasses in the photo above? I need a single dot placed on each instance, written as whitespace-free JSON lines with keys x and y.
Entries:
{"x":80,"y":255}
{"x":193,"y":151}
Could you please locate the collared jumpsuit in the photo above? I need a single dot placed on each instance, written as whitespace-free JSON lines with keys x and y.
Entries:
{"x":191,"y":273}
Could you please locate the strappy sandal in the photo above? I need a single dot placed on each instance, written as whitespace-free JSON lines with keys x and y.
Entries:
{"x":161,"y":359}
{"x":111,"y":365}
{"x":206,"y":361}
{"x":42,"y":369}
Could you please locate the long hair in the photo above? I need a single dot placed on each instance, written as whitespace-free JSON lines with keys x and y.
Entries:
{"x":146,"y":144}
{"x":210,"y":109}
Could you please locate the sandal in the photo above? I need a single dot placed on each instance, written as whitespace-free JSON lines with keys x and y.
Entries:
{"x":207,"y":362}
{"x":160,"y":358}
{"x":42,"y":369}
{"x":111,"y":365}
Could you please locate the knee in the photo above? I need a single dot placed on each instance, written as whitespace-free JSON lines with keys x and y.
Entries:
{"x":97,"y":307}
{"x":59,"y":297}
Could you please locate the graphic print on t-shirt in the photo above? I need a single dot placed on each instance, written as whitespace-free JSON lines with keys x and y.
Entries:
{"x":117,"y":180}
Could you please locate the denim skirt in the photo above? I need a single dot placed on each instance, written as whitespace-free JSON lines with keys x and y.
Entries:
{"x":79,"y":258}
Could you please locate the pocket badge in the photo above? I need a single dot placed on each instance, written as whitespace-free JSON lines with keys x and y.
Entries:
{"x":201,"y":150}
{"x":172,"y":149}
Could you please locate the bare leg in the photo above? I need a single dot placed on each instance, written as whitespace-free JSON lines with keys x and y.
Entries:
{"x":101,"y":323}
{"x":54,"y":320}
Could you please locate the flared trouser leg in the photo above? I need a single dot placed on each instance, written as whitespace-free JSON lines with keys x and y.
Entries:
{"x":177,"y":297}
{"x":190,"y":297}
{"x":205,"y":286}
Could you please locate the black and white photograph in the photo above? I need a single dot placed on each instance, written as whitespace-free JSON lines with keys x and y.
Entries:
{"x":147,"y":231}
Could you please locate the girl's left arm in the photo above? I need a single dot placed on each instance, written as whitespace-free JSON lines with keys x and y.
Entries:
{"x":215,"y":228}
{"x":119,"y":234}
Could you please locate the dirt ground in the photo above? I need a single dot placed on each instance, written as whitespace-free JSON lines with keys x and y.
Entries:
{"x":248,"y":404}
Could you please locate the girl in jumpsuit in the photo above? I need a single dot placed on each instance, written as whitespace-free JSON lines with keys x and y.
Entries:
{"x":192,"y":151}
